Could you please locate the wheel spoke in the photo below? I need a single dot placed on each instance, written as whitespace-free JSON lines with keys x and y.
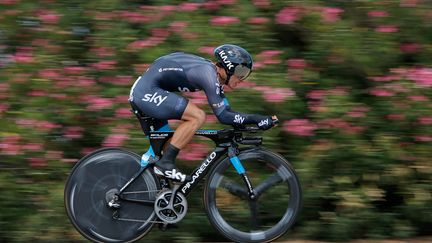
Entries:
{"x":234,"y":188}
{"x":255,"y":220}
{"x":267,"y":184}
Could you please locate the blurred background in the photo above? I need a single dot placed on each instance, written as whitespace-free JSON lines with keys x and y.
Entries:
{"x":351,"y":82}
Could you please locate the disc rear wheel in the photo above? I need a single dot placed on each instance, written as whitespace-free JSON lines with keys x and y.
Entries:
{"x":96,"y":181}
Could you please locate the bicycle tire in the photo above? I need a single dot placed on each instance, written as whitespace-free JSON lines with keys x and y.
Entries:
{"x":85,"y":196}
{"x":241,"y":219}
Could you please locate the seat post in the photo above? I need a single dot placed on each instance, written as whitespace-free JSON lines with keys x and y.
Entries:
{"x":147,"y":123}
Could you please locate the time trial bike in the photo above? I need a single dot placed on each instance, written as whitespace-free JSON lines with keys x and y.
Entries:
{"x":251,"y":194}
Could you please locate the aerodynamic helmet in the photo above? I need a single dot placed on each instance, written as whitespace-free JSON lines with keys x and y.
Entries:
{"x":235,"y":60}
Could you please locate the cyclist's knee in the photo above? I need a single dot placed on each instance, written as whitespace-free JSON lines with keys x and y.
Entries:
{"x":194,"y":114}
{"x":201,"y":117}
{"x":198,"y":117}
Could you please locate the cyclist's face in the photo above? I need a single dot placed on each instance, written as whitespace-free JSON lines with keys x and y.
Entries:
{"x":222,"y":75}
{"x":234,"y":81}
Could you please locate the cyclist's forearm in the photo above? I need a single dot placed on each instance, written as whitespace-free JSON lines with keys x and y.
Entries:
{"x":230,"y":117}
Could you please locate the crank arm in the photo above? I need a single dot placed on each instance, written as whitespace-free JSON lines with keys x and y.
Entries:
{"x":174,"y":195}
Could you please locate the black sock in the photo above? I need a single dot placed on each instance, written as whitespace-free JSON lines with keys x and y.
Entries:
{"x":171,"y":153}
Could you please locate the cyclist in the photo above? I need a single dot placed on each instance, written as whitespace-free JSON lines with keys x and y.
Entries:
{"x":153,"y":94}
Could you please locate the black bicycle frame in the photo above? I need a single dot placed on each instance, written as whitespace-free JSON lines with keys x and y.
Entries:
{"x":201,"y":171}
{"x":224,"y":146}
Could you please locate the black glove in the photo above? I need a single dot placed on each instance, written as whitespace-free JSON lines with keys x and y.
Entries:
{"x":265,"y":123}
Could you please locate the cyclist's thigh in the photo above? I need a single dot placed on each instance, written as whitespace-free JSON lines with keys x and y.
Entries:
{"x":160,"y":104}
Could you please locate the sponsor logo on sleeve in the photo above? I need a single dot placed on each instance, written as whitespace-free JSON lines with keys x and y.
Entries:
{"x":170,"y":69}
{"x":218,"y":105}
{"x":239,"y":119}
{"x":218,"y":88}
{"x":263,"y":122}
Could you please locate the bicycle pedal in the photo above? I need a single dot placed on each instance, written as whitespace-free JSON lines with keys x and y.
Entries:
{"x":166,"y":226}
{"x":163,"y":226}
{"x":173,"y":226}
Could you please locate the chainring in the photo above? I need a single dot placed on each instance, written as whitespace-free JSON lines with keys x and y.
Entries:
{"x":170,"y":214}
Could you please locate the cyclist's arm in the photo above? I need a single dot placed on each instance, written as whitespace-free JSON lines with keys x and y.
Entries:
{"x":221,"y":108}
{"x":228,"y":116}
{"x":206,"y":78}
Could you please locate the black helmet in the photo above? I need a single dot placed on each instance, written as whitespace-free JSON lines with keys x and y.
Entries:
{"x":235,"y":60}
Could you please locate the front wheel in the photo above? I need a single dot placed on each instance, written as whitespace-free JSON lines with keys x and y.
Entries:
{"x":95,"y":180}
{"x":262,"y":219}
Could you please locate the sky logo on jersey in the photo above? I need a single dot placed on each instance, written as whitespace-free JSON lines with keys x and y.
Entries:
{"x":155,"y":98}
{"x":224,"y":59}
{"x":239,"y":119}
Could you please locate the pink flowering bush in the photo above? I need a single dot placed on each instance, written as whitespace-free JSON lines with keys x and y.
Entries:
{"x":288,"y":15}
{"x":299,"y":127}
{"x":350,"y":82}
{"x":224,"y":20}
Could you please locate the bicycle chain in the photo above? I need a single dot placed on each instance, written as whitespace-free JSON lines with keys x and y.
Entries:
{"x":140,"y":221}
{"x":115,"y":213}
{"x":137,"y":192}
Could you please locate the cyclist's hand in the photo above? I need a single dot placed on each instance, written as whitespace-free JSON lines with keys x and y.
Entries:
{"x":266,"y":123}
{"x":275,"y":120}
